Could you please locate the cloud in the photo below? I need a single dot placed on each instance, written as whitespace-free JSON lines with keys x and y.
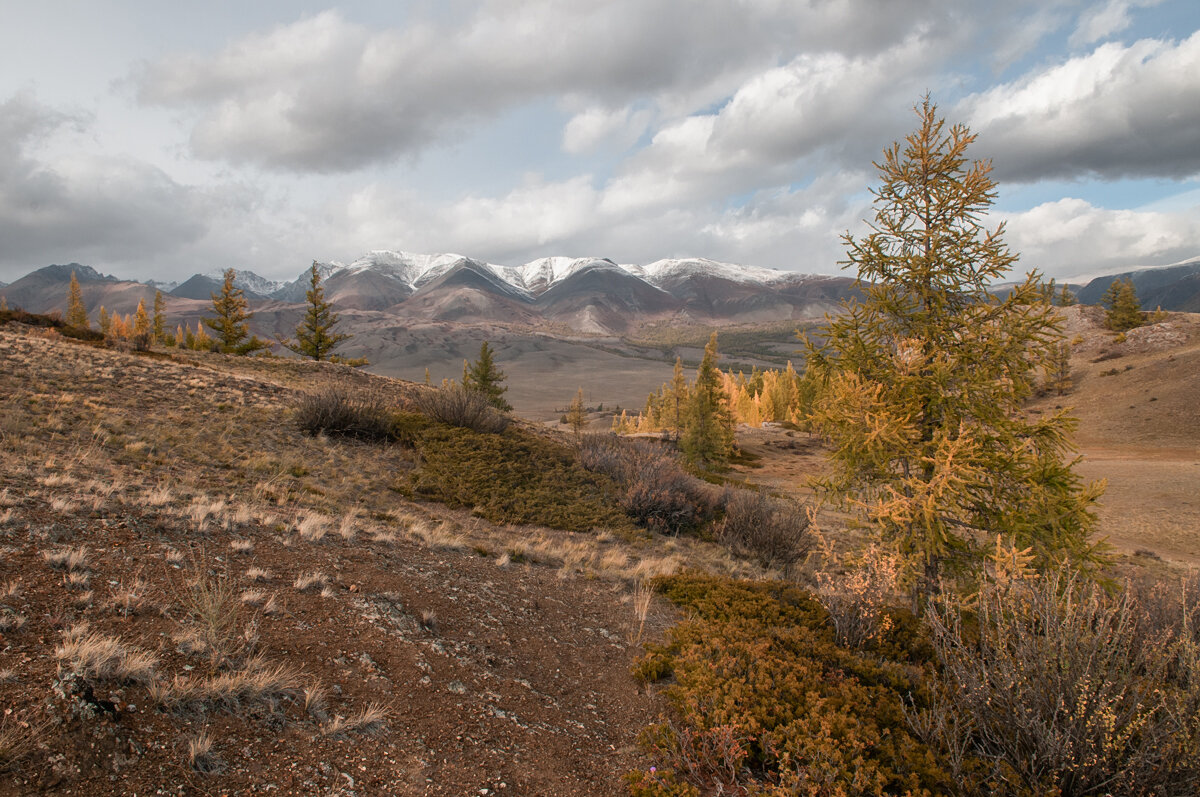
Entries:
{"x":599,"y":128}
{"x":1102,"y":21}
{"x":83,"y":207}
{"x":1118,"y":111}
{"x":325,"y":94}
{"x":1071,"y":237}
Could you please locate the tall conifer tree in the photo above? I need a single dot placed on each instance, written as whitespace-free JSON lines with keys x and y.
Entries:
{"x":484,"y":377}
{"x":315,"y":337}
{"x":76,"y":311}
{"x":707,"y":437}
{"x":159,"y":326}
{"x":232,"y":311}
{"x":927,"y":375}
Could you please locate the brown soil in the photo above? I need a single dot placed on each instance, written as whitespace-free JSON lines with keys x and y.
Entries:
{"x":496,"y":677}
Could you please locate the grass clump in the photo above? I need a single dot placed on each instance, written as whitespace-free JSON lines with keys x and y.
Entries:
{"x":513,"y":477}
{"x":97,"y":657}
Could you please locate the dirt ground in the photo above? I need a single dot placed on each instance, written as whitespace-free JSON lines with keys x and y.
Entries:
{"x":400,"y":648}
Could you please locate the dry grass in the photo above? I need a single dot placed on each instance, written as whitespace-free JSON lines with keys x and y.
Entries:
{"x":370,"y":721}
{"x":104,"y":658}
{"x":255,"y":682}
{"x":10,"y":620}
{"x":643,"y":594}
{"x":18,"y":738}
{"x":214,"y":605}
{"x":69,"y":559}
{"x":200,"y":757}
{"x":257,"y":574}
{"x":241,"y":546}
{"x":131,"y":600}
{"x":313,"y":527}
{"x":310,"y":582}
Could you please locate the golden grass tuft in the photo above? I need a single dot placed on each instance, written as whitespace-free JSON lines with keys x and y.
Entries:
{"x":370,"y":721}
{"x":256,"y":681}
{"x":104,"y":658}
{"x":69,"y":559}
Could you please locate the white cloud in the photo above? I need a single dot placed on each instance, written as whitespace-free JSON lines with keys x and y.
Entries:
{"x":83,"y":207}
{"x":602,"y":128}
{"x":325,"y":94}
{"x":1098,"y":22}
{"x":1117,"y":111}
{"x":1070,"y":237}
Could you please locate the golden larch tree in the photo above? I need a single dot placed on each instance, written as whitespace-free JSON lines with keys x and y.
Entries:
{"x":925,"y":378}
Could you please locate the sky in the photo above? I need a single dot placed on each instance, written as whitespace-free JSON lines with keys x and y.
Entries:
{"x":157,"y":140}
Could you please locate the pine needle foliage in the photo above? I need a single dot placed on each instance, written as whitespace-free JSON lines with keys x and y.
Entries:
{"x":484,"y":377}
{"x":315,"y":337}
{"x":707,"y":438}
{"x":926,"y":376}
{"x":577,"y":413}
{"x":231,"y":314}
{"x":1124,"y":307}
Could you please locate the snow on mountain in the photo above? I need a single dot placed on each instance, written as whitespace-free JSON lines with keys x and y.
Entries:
{"x":661,"y":271}
{"x":249,"y":281}
{"x":537,"y":276}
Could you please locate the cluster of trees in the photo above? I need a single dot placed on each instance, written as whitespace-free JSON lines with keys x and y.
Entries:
{"x":315,"y":335}
{"x":767,"y":395}
{"x":1123,"y":309}
{"x":696,"y":414}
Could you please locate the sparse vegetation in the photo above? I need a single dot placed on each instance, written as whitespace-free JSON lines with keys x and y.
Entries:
{"x":335,"y":411}
{"x":459,"y":406}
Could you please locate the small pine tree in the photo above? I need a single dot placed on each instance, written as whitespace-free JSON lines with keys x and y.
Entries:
{"x":484,"y":377}
{"x":232,"y":312}
{"x":576,"y":413}
{"x":1058,"y":369}
{"x":1124,"y":309}
{"x":180,"y":336}
{"x":104,"y":320}
{"x":159,"y":326}
{"x":1066,"y":298}
{"x":3,"y":304}
{"x":315,"y":337}
{"x":76,"y":312}
{"x":707,"y":438}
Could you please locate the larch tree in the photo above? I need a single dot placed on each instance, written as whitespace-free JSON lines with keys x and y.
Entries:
{"x":925,"y":378}
{"x":231,"y":314}
{"x":76,"y":311}
{"x":577,"y":414}
{"x":159,"y":325}
{"x":484,"y":377}
{"x":141,"y":321}
{"x":104,"y":320}
{"x":707,"y":437}
{"x":315,"y":337}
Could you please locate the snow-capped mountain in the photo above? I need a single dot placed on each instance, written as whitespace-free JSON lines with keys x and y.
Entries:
{"x":587,"y":294}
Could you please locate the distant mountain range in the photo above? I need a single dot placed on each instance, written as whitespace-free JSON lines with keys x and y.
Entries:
{"x":589,"y":295}
{"x":1174,"y":287}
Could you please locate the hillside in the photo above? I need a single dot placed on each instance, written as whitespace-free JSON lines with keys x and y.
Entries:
{"x":138,"y":488}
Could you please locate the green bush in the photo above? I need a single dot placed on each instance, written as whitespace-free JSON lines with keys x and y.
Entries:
{"x":513,"y":477}
{"x":766,"y":702}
